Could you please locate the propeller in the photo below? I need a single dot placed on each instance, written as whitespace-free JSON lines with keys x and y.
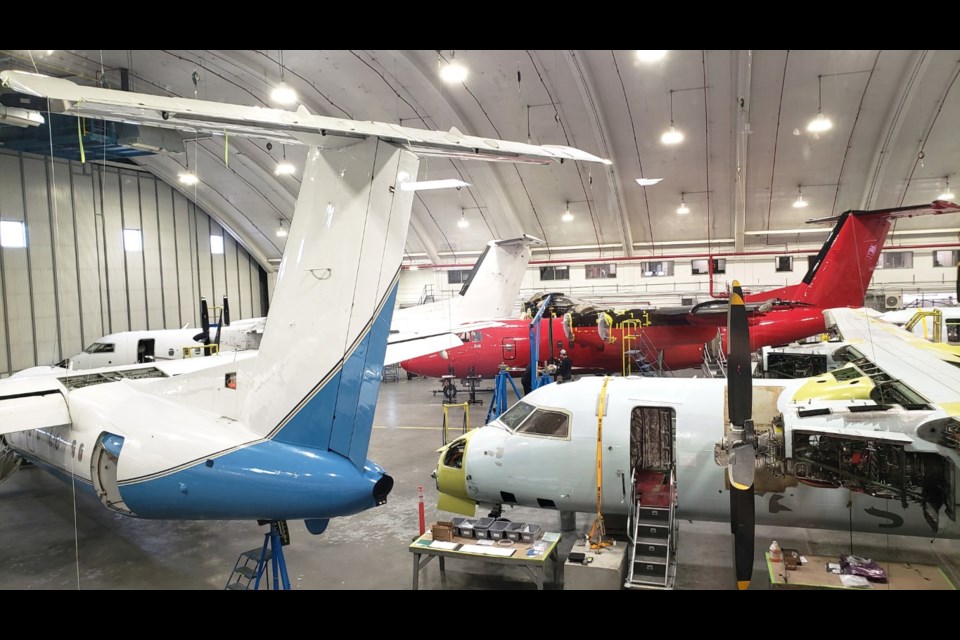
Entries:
{"x":224,"y":320}
{"x":204,"y":336}
{"x":741,"y":460}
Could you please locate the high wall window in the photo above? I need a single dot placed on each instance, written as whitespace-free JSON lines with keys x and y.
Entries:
{"x":132,"y":240}
{"x":946,"y":258}
{"x":597,"y":271}
{"x":784,"y":263}
{"x":699,"y":267}
{"x":13,"y":234}
{"x":657,"y":269}
{"x":457,"y":276}
{"x":216,"y":245}
{"x":554,"y":273}
{"x":895,"y":260}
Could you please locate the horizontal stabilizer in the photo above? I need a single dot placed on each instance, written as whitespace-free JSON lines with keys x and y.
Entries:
{"x":416,"y":347}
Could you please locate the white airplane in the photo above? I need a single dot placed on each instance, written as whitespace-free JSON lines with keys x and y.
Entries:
{"x":486,"y":297}
{"x":282,"y":433}
{"x":872,"y":446}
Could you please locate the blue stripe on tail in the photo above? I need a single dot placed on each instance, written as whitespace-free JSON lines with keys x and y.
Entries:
{"x":339,"y":417}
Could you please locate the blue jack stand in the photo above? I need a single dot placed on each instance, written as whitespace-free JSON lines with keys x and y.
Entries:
{"x":498,"y":403}
{"x":274,"y":540}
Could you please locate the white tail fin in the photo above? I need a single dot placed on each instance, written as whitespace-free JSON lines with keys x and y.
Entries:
{"x":316,"y":378}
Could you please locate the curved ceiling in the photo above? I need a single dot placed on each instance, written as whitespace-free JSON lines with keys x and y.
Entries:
{"x":745,"y":156}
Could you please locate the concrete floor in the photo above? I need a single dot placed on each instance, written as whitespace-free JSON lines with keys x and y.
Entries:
{"x":50,"y":541}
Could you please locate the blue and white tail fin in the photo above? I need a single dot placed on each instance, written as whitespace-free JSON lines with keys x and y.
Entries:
{"x":317,"y":375}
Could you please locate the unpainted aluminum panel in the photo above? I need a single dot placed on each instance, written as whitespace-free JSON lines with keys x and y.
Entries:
{"x":202,"y":240}
{"x":187,"y":260}
{"x":152,"y":274}
{"x":230,"y":255}
{"x":168,"y":257}
{"x":245,"y":300}
{"x":19,"y":322}
{"x":61,"y":213}
{"x":41,"y":261}
{"x":89,"y":255}
{"x":136,"y":295}
{"x":116,"y":288}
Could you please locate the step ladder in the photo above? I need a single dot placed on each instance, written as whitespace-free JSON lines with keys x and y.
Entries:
{"x":652,"y":562}
{"x":267,"y":559}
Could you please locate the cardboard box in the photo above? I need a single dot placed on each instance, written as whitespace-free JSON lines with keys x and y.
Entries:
{"x":791,"y":559}
{"x":442,"y":531}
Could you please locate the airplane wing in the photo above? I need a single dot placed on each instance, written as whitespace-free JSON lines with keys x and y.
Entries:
{"x":407,"y":345}
{"x":899,"y":354}
{"x":287,"y":127}
{"x":32,"y":403}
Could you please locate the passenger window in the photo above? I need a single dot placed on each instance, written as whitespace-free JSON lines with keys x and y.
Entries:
{"x":546,"y":423}
{"x":953,"y":332}
{"x":476,"y":336}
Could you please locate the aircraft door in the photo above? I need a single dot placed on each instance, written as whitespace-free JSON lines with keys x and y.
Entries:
{"x":509,"y":348}
{"x":145,"y":351}
{"x":104,"y":472}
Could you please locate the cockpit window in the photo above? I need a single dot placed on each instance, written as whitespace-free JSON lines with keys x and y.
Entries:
{"x":546,"y":423}
{"x":100,"y":347}
{"x":476,"y":336}
{"x":516,"y":414}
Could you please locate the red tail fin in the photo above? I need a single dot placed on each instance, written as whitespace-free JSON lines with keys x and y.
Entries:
{"x":840,"y":275}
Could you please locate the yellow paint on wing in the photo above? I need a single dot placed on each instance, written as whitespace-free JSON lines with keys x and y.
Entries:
{"x":827,"y":387}
{"x":952,"y":409}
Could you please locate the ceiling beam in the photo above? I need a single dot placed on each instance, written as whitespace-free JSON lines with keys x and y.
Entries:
{"x":600,"y":132}
{"x":744,"y":76}
{"x":909,"y":86}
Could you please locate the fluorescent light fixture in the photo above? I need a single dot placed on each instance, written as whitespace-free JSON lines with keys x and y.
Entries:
{"x":283,"y":94}
{"x":947,"y":194}
{"x":216,"y":245}
{"x":414,"y":267}
{"x":20,"y":117}
{"x":453,"y":72}
{"x":683,"y":209}
{"x":188,"y":178}
{"x":284,"y":169}
{"x":651,"y":55}
{"x":672,"y":136}
{"x":428,"y":185}
{"x":819,"y":124}
{"x":132,"y":240}
{"x":13,"y":234}
{"x":567,"y":216}
{"x":648,"y":182}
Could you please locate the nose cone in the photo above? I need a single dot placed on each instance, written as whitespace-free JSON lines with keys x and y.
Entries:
{"x":451,"y":477}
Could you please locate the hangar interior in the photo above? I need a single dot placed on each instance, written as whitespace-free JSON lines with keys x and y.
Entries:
{"x":717,"y":161}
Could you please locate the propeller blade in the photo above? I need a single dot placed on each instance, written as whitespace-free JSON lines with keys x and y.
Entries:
{"x":743,"y":513}
{"x":204,"y":321}
{"x":225,"y":314}
{"x":741,"y":466}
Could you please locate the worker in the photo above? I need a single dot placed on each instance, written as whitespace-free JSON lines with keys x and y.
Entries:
{"x":527,"y":378}
{"x":565,"y":368}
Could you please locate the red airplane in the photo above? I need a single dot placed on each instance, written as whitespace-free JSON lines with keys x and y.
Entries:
{"x":675,"y":337}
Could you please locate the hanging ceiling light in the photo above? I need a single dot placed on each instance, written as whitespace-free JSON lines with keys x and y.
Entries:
{"x":281,"y":230}
{"x":651,"y":55}
{"x":567,"y":216}
{"x":284,"y":168}
{"x":947,"y":194}
{"x":283,"y":93}
{"x":648,"y":182}
{"x":452,"y":72}
{"x":188,"y":178}
{"x":821,"y":123}
{"x":671,"y":135}
{"x":799,"y":203}
{"x":462,"y":223}
{"x":683,"y":208}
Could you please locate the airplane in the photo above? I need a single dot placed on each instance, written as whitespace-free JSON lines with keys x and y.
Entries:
{"x":872,"y":446}
{"x":676,"y":337}
{"x":282,"y":433}
{"x":486,"y":298}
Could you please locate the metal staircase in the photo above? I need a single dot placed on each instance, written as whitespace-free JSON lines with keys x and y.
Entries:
{"x":635,"y":345}
{"x":246,"y":569}
{"x":427,"y":295}
{"x":652,"y":562}
{"x":714,"y":366}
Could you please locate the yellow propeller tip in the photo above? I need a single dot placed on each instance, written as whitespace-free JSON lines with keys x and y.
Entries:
{"x":743,"y":584}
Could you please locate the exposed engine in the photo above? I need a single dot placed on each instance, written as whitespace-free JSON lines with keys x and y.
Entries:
{"x":874,"y":467}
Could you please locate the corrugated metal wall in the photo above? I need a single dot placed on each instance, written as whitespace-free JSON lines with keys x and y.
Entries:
{"x":74,"y":283}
